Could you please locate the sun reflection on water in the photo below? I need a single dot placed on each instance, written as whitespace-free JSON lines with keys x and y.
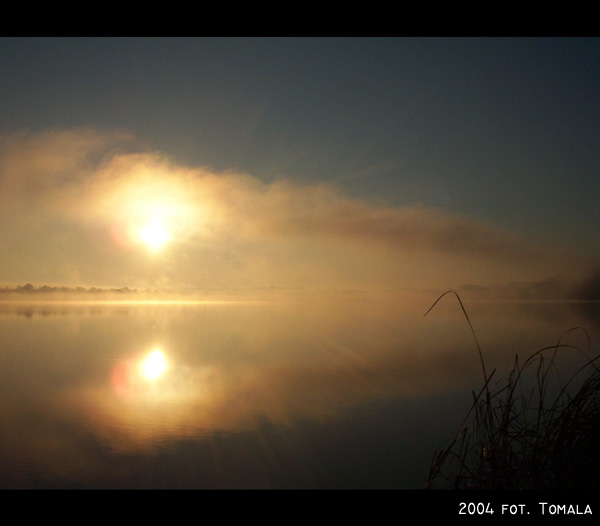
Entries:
{"x":153,"y":397}
{"x":138,"y":376}
{"x":154,"y":365}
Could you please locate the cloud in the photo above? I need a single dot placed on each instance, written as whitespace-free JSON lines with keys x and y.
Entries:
{"x":72,"y":201}
{"x":39,"y":167}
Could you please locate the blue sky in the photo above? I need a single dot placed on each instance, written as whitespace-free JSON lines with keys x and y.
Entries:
{"x":503,"y":131}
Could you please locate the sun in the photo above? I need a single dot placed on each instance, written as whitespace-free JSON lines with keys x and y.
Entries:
{"x":154,"y":234}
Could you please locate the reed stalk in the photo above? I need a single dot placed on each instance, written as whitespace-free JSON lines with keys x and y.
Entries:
{"x":520,"y":434}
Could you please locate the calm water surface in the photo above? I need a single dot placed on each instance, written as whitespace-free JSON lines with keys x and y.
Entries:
{"x":354,"y":392}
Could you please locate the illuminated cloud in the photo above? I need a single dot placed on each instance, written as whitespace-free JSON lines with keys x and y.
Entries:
{"x":74,"y":201}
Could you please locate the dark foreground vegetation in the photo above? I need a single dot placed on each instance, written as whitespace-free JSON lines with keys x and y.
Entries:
{"x":525,"y":431}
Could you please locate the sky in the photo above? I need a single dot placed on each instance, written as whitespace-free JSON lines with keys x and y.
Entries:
{"x":344,"y":163}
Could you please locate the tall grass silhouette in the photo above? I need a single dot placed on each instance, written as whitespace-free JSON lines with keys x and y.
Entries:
{"x":524,"y":431}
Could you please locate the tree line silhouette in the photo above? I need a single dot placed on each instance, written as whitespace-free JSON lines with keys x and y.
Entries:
{"x":47,"y":289}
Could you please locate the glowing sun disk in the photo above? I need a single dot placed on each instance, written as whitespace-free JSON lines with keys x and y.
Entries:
{"x":154,"y":234}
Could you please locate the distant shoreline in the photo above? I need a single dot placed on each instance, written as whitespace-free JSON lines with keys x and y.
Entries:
{"x":512,"y":293}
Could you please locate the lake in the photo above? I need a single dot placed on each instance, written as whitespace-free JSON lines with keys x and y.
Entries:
{"x":350,"y":391}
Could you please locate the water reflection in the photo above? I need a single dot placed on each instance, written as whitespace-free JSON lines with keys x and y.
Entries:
{"x":93,"y":396}
{"x":131,"y":377}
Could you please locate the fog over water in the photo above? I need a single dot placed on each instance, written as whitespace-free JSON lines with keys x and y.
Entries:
{"x":350,"y":391}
